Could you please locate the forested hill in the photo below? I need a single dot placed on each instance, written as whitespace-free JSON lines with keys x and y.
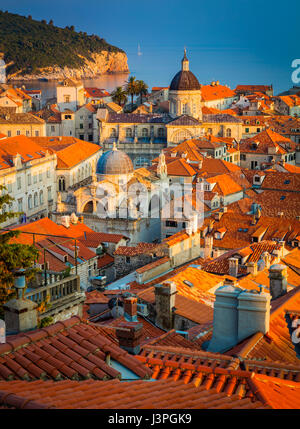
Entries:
{"x":29,"y":45}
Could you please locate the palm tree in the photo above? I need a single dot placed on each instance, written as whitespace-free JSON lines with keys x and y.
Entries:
{"x":142,"y":89}
{"x":119,"y":96}
{"x":131,"y":88}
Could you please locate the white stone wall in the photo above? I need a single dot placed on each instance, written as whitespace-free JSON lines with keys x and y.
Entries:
{"x":27,"y":182}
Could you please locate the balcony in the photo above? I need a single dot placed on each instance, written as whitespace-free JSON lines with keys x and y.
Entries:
{"x":61,"y":295}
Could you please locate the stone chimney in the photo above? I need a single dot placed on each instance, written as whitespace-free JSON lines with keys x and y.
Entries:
{"x":278,"y":280}
{"x":129,"y":336}
{"x":20,"y":314}
{"x":164,"y":304}
{"x":208,"y":246}
{"x":253,"y":313}
{"x":225,"y":324}
{"x":233,"y":267}
{"x":252,"y":268}
{"x":267,"y":259}
{"x":238,"y":314}
{"x":130,"y":309}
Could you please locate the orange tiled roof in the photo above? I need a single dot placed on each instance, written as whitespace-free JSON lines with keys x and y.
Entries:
{"x":162,"y":394}
{"x":216,"y":92}
{"x":72,"y":349}
{"x":70,"y":151}
{"x":265,"y":140}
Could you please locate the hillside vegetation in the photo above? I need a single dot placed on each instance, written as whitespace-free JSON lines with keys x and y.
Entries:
{"x":30,"y":45}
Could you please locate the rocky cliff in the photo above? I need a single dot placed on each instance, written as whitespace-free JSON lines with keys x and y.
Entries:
{"x":99,"y":64}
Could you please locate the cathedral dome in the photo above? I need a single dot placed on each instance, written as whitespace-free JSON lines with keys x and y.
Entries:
{"x":114,"y":162}
{"x":185,"y":80}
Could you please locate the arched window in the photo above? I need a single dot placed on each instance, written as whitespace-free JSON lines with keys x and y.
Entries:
{"x":228,"y":132}
{"x":113,"y":133}
{"x":128,"y":132}
{"x":29,"y":202}
{"x":184,"y":108}
{"x":182,"y":135}
{"x":161,"y":132}
{"x":41,"y":197}
{"x":35,"y":200}
{"x":89,"y":207}
{"x":61,"y":184}
{"x":144,"y":132}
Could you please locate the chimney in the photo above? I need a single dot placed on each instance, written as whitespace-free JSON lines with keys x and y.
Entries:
{"x":208,"y":246}
{"x":20,"y":314}
{"x":267,"y":259}
{"x":253,"y":313}
{"x":65,"y":221}
{"x":130,"y":309}
{"x":233,"y":267}
{"x":278,"y":280}
{"x":252,"y":268}
{"x":218,"y":216}
{"x":200,"y":163}
{"x":164,"y":304}
{"x":225,"y":324}
{"x":129,"y":336}
{"x":238,"y":314}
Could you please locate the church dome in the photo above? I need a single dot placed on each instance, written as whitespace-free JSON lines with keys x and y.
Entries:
{"x":114,"y":162}
{"x":185,"y":80}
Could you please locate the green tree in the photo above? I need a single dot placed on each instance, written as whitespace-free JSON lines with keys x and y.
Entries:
{"x":13,"y":255}
{"x":142,"y":89}
{"x":131,"y":88}
{"x":119,"y":96}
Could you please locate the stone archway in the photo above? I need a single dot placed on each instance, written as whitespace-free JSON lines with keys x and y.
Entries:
{"x":88,"y":207}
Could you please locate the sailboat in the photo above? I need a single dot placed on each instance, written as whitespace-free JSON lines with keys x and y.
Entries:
{"x":139,"y":50}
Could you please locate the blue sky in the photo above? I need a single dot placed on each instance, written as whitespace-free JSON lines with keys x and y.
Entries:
{"x":233,"y":41}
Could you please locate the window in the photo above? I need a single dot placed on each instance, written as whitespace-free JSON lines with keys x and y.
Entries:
{"x":8,"y":133}
{"x":27,"y":133}
{"x":81,"y":137}
{"x":184,"y":109}
{"x":209,"y":131}
{"x":20,"y":204}
{"x":30,"y":202}
{"x":228,"y":132}
{"x":41,"y":197}
{"x":171,"y":223}
{"x":246,"y":130}
{"x":48,"y":173}
{"x":258,"y":130}
{"x":90,"y":139}
{"x":81,"y":126}
{"x":144,"y":132}
{"x":9,"y":187}
{"x":243,"y":157}
{"x":61,"y":184}
{"x":161,"y":132}
{"x":35,"y":178}
{"x":52,"y":128}
{"x":113,"y":133}
{"x":35,"y":200}
{"x":68,"y":116}
{"x":67,"y":98}
{"x":127,"y":259}
{"x":28,"y":179}
{"x":49,"y":193}
{"x":19,"y":183}
{"x":18,"y":132}
{"x":36,"y":133}
{"x":40,"y":176}
{"x":128,"y":132}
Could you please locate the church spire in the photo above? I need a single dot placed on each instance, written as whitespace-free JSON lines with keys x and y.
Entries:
{"x":185,"y":62}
